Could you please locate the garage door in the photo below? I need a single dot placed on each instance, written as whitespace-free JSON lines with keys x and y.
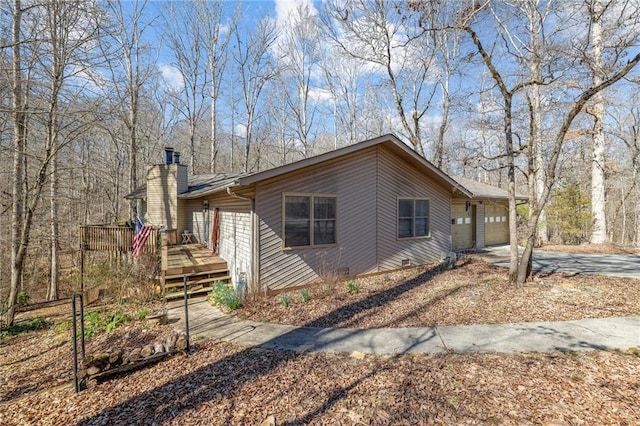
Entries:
{"x":496,"y":224}
{"x":462,"y":226}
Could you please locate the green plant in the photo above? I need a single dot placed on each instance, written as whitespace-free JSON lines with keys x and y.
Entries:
{"x":353,"y":287}
{"x":223,"y":295}
{"x":23,"y":327}
{"x":305,"y":294}
{"x":117,"y":319}
{"x":285,"y":299}
{"x":142,"y":313}
{"x":22,"y":299}
{"x":387,"y":279}
{"x":97,"y":322}
{"x":93,"y":323}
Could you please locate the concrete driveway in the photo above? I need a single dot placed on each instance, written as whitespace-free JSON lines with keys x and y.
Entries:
{"x":616,"y":265}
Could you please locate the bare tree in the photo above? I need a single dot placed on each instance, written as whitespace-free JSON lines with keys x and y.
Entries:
{"x":520,"y":269}
{"x":254,"y":68}
{"x":599,"y":230}
{"x":389,"y":39}
{"x":299,"y":47}
{"x":130,"y":66}
{"x":215,"y":39}
{"x":188,"y":43}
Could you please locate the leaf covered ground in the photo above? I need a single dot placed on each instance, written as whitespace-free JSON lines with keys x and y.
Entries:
{"x":225,"y":383}
{"x":475,"y":292}
{"x":222,"y":383}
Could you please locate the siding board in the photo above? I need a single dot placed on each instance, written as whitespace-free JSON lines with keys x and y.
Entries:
{"x":352,"y":180}
{"x":397,"y":179}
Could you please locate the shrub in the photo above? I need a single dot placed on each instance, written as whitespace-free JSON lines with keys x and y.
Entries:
{"x":285,"y":299}
{"x":142,"y":313}
{"x":353,"y":287}
{"x":223,"y":295}
{"x":305,"y":294}
{"x":22,"y":299}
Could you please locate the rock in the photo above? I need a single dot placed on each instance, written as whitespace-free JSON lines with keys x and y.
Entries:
{"x":181,"y":342}
{"x":133,"y":356}
{"x":92,"y":371}
{"x":158,"y":347}
{"x":146,"y":351}
{"x":170,"y":342}
{"x":115,"y":356}
{"x":269,"y":421}
{"x":357,"y":355}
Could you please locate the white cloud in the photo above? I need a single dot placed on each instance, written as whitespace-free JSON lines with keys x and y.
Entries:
{"x":172,"y":77}
{"x":240,"y":131}
{"x":284,"y":9}
{"x":317,"y":94}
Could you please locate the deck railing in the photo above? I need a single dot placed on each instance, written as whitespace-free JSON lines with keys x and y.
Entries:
{"x":118,"y":238}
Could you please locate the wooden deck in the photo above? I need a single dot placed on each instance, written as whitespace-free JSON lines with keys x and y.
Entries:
{"x":193,"y":259}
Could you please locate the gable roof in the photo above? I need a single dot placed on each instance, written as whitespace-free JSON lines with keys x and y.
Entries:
{"x":389,"y":140}
{"x":207,"y":184}
{"x":483,"y":190}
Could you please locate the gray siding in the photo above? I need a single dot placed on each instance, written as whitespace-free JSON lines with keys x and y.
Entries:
{"x":352,"y":179}
{"x":367,"y":186}
{"x":235,"y":243}
{"x":199,"y":222}
{"x":397,"y":179}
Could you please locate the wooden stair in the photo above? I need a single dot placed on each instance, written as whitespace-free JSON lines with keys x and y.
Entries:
{"x":198,"y":284}
{"x":201,"y":268}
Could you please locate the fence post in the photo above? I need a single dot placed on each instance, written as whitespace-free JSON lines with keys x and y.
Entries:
{"x":74,"y":316}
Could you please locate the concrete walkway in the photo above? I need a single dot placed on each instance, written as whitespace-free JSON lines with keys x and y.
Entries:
{"x":589,"y":334}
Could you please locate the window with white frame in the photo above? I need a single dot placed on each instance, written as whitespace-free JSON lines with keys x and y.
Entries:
{"x":310,"y":220}
{"x":413,"y":218}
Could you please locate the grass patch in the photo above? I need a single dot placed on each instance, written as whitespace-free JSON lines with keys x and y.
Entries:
{"x":285,"y":300}
{"x":353,"y":287}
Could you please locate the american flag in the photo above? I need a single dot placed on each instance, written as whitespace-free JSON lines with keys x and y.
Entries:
{"x":142,"y":232}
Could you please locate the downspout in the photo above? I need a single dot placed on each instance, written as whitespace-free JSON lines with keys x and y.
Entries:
{"x":254,"y":237}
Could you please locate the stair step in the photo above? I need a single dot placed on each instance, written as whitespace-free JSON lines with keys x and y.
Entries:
{"x":197,"y":281}
{"x":195,"y":292}
{"x":208,"y":274}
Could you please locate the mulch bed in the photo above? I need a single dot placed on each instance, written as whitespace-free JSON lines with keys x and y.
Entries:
{"x":476,"y":292}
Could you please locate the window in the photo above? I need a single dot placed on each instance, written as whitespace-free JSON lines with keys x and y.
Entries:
{"x":309,"y":220}
{"x":413,"y":218}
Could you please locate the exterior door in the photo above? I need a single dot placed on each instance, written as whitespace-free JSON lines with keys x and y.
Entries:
{"x":462,"y":226}
{"x":496,"y":223}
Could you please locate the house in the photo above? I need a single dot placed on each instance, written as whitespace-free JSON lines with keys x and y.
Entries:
{"x":366,"y":208}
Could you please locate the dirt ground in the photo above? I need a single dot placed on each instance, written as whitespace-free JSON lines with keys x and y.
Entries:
{"x":224,"y":383}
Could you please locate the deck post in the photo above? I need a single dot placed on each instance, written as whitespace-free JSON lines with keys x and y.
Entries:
{"x":164,"y":264}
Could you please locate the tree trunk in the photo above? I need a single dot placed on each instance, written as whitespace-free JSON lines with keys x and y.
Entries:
{"x":17,"y":247}
{"x":598,"y":205}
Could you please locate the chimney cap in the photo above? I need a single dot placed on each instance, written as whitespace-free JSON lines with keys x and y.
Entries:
{"x":168,"y":151}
